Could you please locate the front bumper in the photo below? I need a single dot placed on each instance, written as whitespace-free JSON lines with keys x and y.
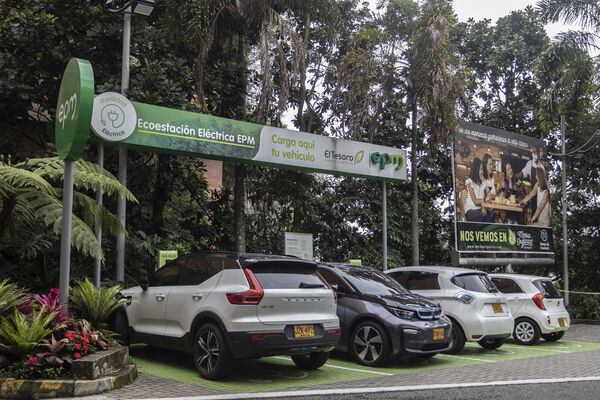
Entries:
{"x":420,"y":337}
{"x":245,"y":345}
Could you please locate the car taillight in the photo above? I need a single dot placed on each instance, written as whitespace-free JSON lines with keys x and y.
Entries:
{"x":329,"y":286}
{"x":335,"y":331}
{"x":537,"y":299}
{"x":251,"y":296}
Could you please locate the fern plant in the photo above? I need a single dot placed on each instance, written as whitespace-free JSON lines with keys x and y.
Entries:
{"x":95,"y":304}
{"x":11,"y":297}
{"x":22,"y":335}
{"x":27,"y":195}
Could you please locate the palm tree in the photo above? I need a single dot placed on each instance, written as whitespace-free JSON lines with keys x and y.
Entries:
{"x":434,"y":87}
{"x":27,"y":196}
{"x":237,"y":26}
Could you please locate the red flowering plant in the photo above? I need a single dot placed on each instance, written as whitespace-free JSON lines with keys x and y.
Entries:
{"x":81,"y":340}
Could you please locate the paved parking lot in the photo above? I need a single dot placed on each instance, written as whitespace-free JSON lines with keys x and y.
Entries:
{"x":165,"y":374}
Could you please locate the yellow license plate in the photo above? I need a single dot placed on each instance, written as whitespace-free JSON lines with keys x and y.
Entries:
{"x":438,"y":334}
{"x":497,"y":308}
{"x":304,"y":331}
{"x":561,"y":322}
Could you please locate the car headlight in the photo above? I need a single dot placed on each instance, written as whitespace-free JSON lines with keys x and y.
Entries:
{"x":401,"y":313}
{"x":464,"y":297}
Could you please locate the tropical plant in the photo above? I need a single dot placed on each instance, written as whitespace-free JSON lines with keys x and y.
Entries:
{"x":52,"y":354}
{"x":22,"y":334}
{"x":95,"y":304}
{"x":51,"y":304}
{"x":27,"y":196}
{"x":11,"y":297}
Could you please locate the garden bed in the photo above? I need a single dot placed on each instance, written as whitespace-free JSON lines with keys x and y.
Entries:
{"x":105,"y":370}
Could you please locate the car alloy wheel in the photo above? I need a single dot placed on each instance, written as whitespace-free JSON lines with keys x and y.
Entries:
{"x":211,"y":355}
{"x":526,"y":332}
{"x":370,"y":344}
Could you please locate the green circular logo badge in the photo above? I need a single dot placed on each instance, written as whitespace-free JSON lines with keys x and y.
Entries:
{"x":114,"y":117}
{"x":74,"y":109}
{"x":512,"y":238}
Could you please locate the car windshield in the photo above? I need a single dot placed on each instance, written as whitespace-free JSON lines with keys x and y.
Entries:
{"x":547,"y":288}
{"x":372,"y":281}
{"x":475,"y":282}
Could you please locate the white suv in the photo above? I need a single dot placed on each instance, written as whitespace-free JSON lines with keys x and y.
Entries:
{"x":478,"y":311}
{"x":537,"y":306}
{"x":223,"y":306}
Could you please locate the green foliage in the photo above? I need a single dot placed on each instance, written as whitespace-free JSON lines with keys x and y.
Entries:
{"x":95,"y":304}
{"x":21,"y":335}
{"x":11,"y":297}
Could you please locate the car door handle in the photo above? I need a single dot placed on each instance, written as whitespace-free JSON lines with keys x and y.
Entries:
{"x":197,"y":296}
{"x":160,"y":297}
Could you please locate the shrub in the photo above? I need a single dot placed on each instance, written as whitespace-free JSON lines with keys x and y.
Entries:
{"x":22,"y":334}
{"x":51,"y":304}
{"x":11,"y":297}
{"x":95,"y":304}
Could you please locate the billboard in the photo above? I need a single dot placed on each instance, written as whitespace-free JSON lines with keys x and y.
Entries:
{"x":501,"y":191}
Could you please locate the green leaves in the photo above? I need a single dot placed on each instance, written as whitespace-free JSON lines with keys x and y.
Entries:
{"x":11,"y":297}
{"x":95,"y":304}
{"x":22,"y":335}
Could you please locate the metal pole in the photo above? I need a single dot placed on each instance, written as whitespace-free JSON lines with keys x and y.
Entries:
{"x":65,"y":233}
{"x":121,"y":205}
{"x":384,"y":227}
{"x":98,"y":261}
{"x":564,"y":212}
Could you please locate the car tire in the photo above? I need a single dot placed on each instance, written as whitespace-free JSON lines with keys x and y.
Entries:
{"x":120,"y":326}
{"x":526,"y":331}
{"x":310,"y":361}
{"x":491,"y":344}
{"x":370,"y":344}
{"x":553,"y":337}
{"x":211,"y":354}
{"x":458,"y":339}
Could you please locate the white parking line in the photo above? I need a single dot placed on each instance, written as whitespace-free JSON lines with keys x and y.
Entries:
{"x":346,"y":368}
{"x":381,"y":389}
{"x":530,"y":348}
{"x":464,"y":358}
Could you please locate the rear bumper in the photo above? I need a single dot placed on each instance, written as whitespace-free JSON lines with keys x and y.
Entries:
{"x":554,"y":324}
{"x":270,"y":343}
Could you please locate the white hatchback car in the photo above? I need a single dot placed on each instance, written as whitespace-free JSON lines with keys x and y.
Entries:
{"x":223,"y":306}
{"x":478,"y":311}
{"x":537,"y":306}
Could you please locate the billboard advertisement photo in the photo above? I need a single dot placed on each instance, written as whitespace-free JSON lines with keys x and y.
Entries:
{"x":502,"y":194}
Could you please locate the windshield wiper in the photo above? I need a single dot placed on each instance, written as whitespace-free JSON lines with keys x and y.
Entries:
{"x":304,"y":285}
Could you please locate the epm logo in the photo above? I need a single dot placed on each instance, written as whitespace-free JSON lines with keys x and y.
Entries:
{"x":384,"y":159}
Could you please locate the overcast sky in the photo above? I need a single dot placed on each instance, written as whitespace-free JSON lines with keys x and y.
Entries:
{"x":494,"y":9}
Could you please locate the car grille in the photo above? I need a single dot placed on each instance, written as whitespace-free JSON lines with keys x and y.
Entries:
{"x":429,"y":313}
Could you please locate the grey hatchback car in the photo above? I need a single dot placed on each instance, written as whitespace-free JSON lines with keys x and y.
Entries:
{"x":379,"y":318}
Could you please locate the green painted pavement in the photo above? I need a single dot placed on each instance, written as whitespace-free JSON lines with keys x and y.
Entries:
{"x":276,"y":373}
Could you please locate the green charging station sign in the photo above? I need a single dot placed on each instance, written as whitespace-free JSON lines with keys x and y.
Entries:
{"x":119,"y":122}
{"x":74,"y":109}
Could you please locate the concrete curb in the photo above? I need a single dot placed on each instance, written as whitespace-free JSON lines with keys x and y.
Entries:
{"x":11,"y":388}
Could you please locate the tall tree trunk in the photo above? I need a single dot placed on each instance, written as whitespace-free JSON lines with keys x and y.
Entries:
{"x":302,"y":99}
{"x":414,"y":220}
{"x":239,"y":208}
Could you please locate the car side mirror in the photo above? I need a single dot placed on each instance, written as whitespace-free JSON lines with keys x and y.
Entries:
{"x":144,"y":285}
{"x":335,"y":287}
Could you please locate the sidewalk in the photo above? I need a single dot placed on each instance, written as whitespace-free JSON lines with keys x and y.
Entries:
{"x":561,"y":365}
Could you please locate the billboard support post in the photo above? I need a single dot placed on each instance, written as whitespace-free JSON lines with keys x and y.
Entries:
{"x":564,"y":212}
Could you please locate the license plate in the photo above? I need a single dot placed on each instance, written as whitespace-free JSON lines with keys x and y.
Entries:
{"x":561,"y":322}
{"x":304,"y":331}
{"x":497,"y":308}
{"x":438,"y":334}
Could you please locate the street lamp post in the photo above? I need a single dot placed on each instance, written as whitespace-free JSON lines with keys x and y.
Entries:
{"x":140,"y":7}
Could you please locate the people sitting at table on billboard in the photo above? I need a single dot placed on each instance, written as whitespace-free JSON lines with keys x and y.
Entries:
{"x":541,"y":215}
{"x":474,"y":212}
{"x":511,"y":188}
{"x":488,"y":176}
{"x":528,"y":171}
